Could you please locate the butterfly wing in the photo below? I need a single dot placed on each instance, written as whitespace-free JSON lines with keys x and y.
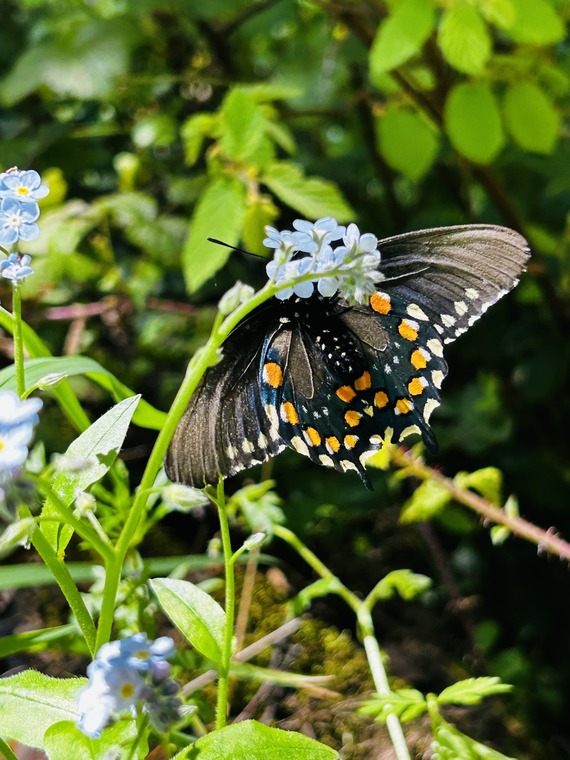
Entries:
{"x":451,"y":275}
{"x":225,"y":428}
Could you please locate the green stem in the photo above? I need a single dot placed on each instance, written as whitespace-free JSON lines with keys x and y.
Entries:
{"x":364,"y":617}
{"x":7,"y":751}
{"x":223,"y":676}
{"x":68,"y":587}
{"x":18,"y":340}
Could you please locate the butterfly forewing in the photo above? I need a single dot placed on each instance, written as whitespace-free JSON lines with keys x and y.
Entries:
{"x":335,"y":381}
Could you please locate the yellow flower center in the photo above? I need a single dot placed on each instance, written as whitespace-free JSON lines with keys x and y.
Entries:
{"x":23,"y":191}
{"x":127,"y":690}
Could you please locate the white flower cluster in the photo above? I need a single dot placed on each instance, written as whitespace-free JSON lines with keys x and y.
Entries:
{"x":350,"y":268}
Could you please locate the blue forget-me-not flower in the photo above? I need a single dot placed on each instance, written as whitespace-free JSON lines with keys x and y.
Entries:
{"x":18,"y":417}
{"x":130,"y":674}
{"x":350,"y":268}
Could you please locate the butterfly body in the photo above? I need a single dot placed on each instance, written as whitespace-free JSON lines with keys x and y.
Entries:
{"x":334,"y":381}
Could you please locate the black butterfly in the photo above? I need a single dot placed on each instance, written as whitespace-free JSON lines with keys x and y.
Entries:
{"x":335,"y":381}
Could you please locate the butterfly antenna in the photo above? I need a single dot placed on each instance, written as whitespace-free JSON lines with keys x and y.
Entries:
{"x":234,"y":248}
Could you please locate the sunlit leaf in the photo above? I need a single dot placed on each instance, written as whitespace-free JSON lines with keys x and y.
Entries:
{"x":401,"y":35}
{"x":531,"y":117}
{"x":473,"y":121}
{"x":407,"y":142}
{"x":464,"y":39}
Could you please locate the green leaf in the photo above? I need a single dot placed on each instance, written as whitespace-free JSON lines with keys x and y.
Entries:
{"x":464,"y":39}
{"x":219,"y":213}
{"x":488,"y":481}
{"x":473,"y":121}
{"x":194,"y":131}
{"x":401,"y":35}
{"x":259,"y":213}
{"x":312,"y":196}
{"x":30,"y":641}
{"x":427,"y":501}
{"x":403,"y":582}
{"x":406,"y":704}
{"x":49,"y":700}
{"x":451,"y":744}
{"x":99,"y":446}
{"x":196,"y":615}
{"x":407,"y":142}
{"x":46,"y":372}
{"x":472,"y":690}
{"x":536,"y":23}
{"x":241,"y":126}
{"x":256,"y":741}
{"x":501,"y":13}
{"x":64,"y":740}
{"x":531,"y":118}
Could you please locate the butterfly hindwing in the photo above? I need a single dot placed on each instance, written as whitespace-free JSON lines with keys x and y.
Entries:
{"x":224,"y":428}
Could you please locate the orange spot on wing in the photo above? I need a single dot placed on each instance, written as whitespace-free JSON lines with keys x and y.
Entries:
{"x":380,"y":303}
{"x":364,"y":382}
{"x":345,"y":393}
{"x":352,"y":418}
{"x":333,"y":443}
{"x":403,"y":405}
{"x":380,"y":399}
{"x":408,"y":330}
{"x":415,"y":386}
{"x":289,"y":413}
{"x":313,"y":436}
{"x":273,"y":375}
{"x":418,"y":359}
{"x":350,"y":441}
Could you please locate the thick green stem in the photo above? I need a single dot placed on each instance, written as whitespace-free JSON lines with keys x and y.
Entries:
{"x":223,"y":676}
{"x":18,"y":340}
{"x":68,"y":587}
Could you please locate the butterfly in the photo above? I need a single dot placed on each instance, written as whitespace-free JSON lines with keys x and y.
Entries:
{"x":335,"y":381}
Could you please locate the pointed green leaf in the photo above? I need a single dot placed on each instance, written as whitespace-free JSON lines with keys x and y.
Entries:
{"x":473,"y":121}
{"x":219,"y":213}
{"x":501,"y":13}
{"x":64,"y":740}
{"x":536,"y":23}
{"x":403,"y":582}
{"x":259,"y":213}
{"x":531,"y":118}
{"x":401,"y":35}
{"x":49,"y":700}
{"x":98,"y":446}
{"x":256,"y":741}
{"x":408,"y":144}
{"x":464,"y":39}
{"x":312,"y":196}
{"x":488,"y":481}
{"x":406,"y":704}
{"x":196,"y":615}
{"x":472,"y":690}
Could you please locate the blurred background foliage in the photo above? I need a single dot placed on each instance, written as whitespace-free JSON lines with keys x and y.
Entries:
{"x":157,"y":124}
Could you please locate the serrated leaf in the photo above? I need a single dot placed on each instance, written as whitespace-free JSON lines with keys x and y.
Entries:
{"x":312,"y":196}
{"x":98,"y":446}
{"x":49,"y":700}
{"x":473,"y":121}
{"x":219,"y":213}
{"x":536,"y":23}
{"x":241,"y":126}
{"x":256,"y":741}
{"x":472,"y":690}
{"x":406,"y":704}
{"x":407,"y":142}
{"x":196,"y":615}
{"x":531,"y":118}
{"x":47,"y":372}
{"x":427,"y":501}
{"x":401,"y":35}
{"x":450,"y":744}
{"x":464,"y":39}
